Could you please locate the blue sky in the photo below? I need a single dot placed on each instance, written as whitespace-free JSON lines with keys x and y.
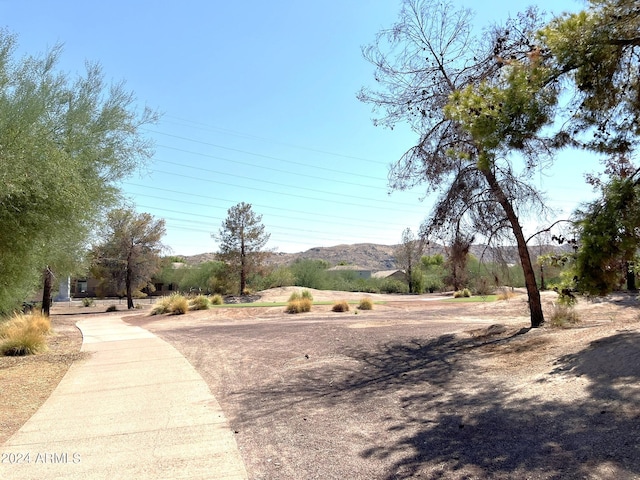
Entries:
{"x":259,"y":106}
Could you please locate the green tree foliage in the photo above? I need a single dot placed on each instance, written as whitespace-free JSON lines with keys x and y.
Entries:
{"x":609,"y":237}
{"x":407,"y":256}
{"x":434,"y":272}
{"x":242,"y":238}
{"x":206,"y":277}
{"x":130,"y":253}
{"x":310,"y":273}
{"x":65,"y":142}
{"x":598,"y":50}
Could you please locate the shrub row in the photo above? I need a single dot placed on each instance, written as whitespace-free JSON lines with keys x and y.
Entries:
{"x":177,"y":304}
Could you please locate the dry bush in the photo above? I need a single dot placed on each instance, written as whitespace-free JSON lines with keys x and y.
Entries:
{"x":175,"y":304}
{"x":217,"y":299}
{"x":365,"y":304}
{"x":466,"y":293}
{"x":200,"y":302}
{"x":24,"y":334}
{"x":299,"y":305}
{"x":505,"y":294}
{"x":340,"y":306}
{"x":563,"y":316}
{"x":179,"y":305}
{"x":162,"y":307}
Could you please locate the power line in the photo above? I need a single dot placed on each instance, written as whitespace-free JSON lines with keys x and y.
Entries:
{"x":243,"y":177}
{"x":174,"y":174}
{"x":226,"y":200}
{"x":259,"y":155}
{"x":253,"y":165}
{"x":205,"y":127}
{"x":371,"y":225}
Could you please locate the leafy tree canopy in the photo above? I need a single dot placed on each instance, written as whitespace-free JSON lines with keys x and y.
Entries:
{"x":242,"y":238}
{"x":130,"y":252}
{"x":65,"y":143}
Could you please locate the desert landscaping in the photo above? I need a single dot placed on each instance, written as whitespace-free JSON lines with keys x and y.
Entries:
{"x":421,"y":386}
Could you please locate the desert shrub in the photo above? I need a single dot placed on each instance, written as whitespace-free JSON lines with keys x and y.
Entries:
{"x":112,"y":308}
{"x":563,"y":316}
{"x":217,"y":299}
{"x":365,"y":304}
{"x":24,"y":334}
{"x":200,"y":302}
{"x":175,"y":304}
{"x":298,"y":305}
{"x":179,"y":305}
{"x":465,"y":293}
{"x":340,"y":306}
{"x":310,"y":273}
{"x":433,"y":283}
{"x":297,"y":295}
{"x":162,"y":307}
{"x":280,"y":276}
{"x":390,"y":285}
{"x":88,"y":302}
{"x":505,"y":294}
{"x":483,"y":286}
{"x":294,"y":296}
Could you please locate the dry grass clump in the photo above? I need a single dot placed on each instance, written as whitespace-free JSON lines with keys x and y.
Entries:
{"x":298,"y":305}
{"x":365,"y":304}
{"x":505,"y":294}
{"x":466,"y":293}
{"x":88,"y":302}
{"x":175,"y":304}
{"x":217,"y":299}
{"x":299,"y":302}
{"x":179,"y":305}
{"x":24,"y":334}
{"x":200,"y":302}
{"x":305,"y":294}
{"x":340,"y":306}
{"x":563,"y":316}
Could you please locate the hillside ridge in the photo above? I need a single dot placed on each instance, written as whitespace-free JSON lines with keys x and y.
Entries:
{"x":378,"y":257}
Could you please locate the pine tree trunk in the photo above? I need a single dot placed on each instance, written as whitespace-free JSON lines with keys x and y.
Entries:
{"x":535,"y":303}
{"x":46,"y":291}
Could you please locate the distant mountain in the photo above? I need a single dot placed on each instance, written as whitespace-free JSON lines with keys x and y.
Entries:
{"x":367,"y":255}
{"x":380,"y":257}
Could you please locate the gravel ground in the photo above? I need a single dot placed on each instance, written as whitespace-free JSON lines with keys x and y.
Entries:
{"x":26,"y":382}
{"x":418,"y":389}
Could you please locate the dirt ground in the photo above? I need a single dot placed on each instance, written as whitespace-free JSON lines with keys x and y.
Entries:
{"x":416,"y":387}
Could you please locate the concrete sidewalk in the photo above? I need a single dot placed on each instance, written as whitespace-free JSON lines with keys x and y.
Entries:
{"x":135,"y":408}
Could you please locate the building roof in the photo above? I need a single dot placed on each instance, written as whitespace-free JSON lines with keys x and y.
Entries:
{"x":386,"y":273}
{"x":352,"y":268}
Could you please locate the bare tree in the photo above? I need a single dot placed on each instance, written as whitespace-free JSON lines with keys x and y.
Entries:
{"x":408,"y":254}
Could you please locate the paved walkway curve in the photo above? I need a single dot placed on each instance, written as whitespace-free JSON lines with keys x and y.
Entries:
{"x":135,"y":409}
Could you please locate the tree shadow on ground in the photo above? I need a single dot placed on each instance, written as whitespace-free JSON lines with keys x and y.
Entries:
{"x":449,"y":421}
